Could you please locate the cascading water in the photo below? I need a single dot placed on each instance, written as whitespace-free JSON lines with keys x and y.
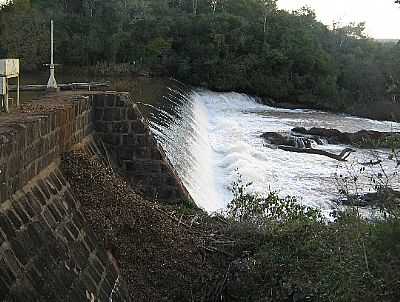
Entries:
{"x":211,"y":137}
{"x":182,"y":129}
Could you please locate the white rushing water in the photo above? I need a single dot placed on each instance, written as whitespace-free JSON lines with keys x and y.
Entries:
{"x":211,"y":137}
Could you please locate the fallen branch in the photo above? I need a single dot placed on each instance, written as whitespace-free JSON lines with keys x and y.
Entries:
{"x":108,"y":158}
{"x":221,"y":286}
{"x":341,"y":157}
{"x":371,"y":163}
{"x":215,"y":250}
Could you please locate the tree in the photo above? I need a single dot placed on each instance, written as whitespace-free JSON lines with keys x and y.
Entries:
{"x":243,"y":45}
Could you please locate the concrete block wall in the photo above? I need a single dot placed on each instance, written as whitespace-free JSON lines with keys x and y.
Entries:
{"x":126,"y":134}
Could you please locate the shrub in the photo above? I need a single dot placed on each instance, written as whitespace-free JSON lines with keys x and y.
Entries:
{"x":294,"y":255}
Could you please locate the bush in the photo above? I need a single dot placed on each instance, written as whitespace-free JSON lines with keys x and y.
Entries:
{"x":258,"y":209}
{"x":297,"y":256}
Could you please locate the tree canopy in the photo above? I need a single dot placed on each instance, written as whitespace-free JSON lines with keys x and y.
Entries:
{"x":244,"y":45}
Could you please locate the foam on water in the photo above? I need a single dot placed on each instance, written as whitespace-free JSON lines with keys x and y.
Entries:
{"x":214,"y":136}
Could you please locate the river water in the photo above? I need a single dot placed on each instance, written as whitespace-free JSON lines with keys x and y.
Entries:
{"x":211,"y":137}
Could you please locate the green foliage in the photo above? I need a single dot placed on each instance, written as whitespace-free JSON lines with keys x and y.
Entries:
{"x":293,"y":255}
{"x":25,"y":36}
{"x":390,"y":142}
{"x":255,"y":208}
{"x":243,"y":45}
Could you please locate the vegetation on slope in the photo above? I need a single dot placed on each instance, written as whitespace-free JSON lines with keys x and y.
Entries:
{"x":243,"y":45}
{"x":264,"y":249}
{"x":301,"y":257}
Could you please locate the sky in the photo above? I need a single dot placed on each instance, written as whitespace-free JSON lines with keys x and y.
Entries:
{"x":382,"y":17}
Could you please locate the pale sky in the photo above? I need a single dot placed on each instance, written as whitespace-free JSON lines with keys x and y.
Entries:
{"x":382,"y":17}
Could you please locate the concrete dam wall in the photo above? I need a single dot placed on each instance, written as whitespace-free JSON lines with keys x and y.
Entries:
{"x":48,"y":250}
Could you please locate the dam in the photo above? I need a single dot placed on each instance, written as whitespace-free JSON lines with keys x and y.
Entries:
{"x":49,"y":250}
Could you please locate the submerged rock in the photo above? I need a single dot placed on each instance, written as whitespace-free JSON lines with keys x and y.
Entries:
{"x":302,"y":144}
{"x":362,"y":139}
{"x":371,"y":199}
{"x":333,"y":136}
{"x":287,"y":139}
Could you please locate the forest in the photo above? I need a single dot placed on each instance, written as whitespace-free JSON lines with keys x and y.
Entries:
{"x":247,"y":46}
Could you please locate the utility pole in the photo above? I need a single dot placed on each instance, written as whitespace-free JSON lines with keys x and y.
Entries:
{"x":52,"y":83}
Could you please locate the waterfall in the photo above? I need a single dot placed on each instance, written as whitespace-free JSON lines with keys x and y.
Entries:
{"x":181,"y":127}
{"x":211,"y":137}
{"x":299,"y":142}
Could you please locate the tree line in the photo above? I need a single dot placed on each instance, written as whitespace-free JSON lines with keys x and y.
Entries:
{"x":243,"y":45}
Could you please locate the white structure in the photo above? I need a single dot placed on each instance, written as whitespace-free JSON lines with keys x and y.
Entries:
{"x":52,"y":83}
{"x":9,"y":68}
{"x":3,"y":86}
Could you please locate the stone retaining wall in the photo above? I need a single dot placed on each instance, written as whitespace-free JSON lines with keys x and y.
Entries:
{"x":47,"y":249}
{"x":126,"y":134}
{"x":33,"y":140}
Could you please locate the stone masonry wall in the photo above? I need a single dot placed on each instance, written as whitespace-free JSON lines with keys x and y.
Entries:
{"x":48,"y":252}
{"x":121,"y":126}
{"x":34,"y":139}
{"x":47,"y":249}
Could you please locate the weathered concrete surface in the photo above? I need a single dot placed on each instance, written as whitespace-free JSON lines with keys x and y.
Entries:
{"x":48,"y":251}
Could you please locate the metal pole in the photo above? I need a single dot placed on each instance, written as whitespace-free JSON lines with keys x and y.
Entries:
{"x":6,"y":97}
{"x":52,"y":83}
{"x":18,"y":91}
{"x":52,"y":41}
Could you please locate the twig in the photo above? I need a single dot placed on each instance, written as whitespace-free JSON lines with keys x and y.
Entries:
{"x":221,"y":287}
{"x":172,"y":217}
{"x":107,"y":156}
{"x":371,"y":163}
{"x":193,"y":220}
{"x":215,"y":250}
{"x":365,"y":257}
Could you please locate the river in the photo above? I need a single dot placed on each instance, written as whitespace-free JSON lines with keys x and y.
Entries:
{"x":212,"y":137}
